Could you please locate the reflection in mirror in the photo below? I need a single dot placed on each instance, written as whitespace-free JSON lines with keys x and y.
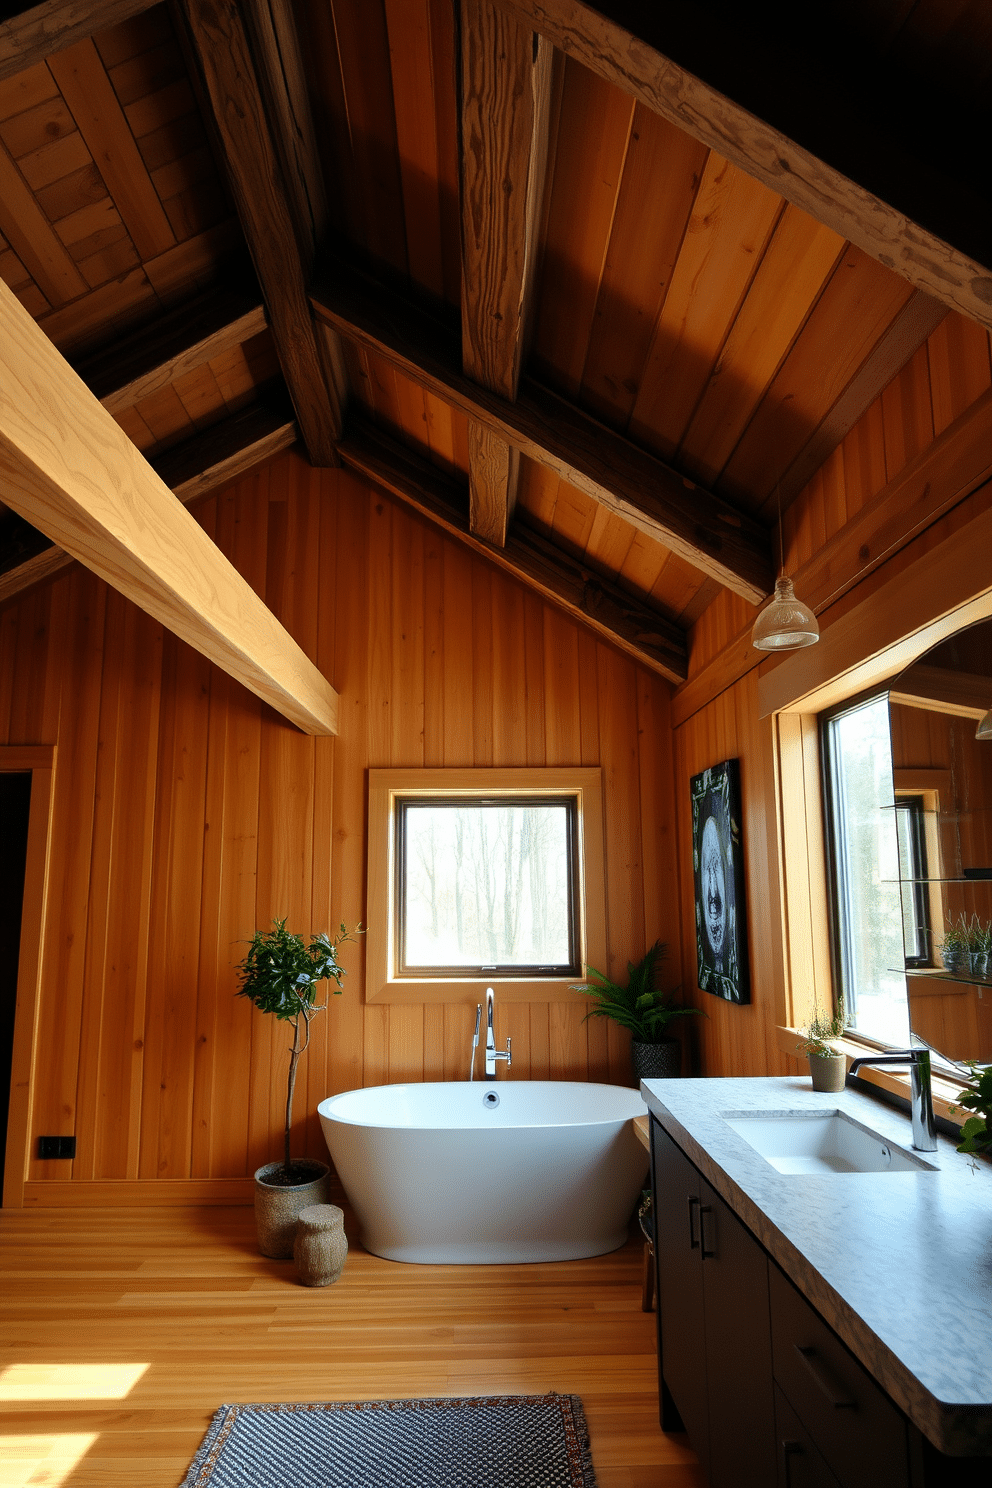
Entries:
{"x":942,"y":781}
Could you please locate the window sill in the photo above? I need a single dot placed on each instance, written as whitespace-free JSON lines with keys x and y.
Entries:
{"x":945,"y":1091}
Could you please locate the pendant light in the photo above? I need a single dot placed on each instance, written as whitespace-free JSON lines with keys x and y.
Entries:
{"x":785,"y":623}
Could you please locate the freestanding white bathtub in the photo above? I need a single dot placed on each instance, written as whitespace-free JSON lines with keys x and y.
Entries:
{"x":441,"y":1173}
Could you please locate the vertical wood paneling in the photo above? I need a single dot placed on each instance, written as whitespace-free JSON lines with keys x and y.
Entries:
{"x":186,"y":814}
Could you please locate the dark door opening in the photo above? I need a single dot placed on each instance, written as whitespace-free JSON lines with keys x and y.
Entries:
{"x":15,"y":805}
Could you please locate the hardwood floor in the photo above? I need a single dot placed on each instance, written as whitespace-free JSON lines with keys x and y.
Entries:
{"x":124,"y":1330}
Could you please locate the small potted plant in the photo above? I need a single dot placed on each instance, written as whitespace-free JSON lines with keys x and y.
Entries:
{"x":955,"y":948}
{"x":976,"y":1134}
{"x":827,"y":1066}
{"x":979,"y":945}
{"x":645,"y":1011}
{"x":281,"y":974}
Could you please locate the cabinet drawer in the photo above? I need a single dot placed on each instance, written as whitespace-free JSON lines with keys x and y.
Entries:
{"x":799,"y":1463}
{"x":858,"y":1430}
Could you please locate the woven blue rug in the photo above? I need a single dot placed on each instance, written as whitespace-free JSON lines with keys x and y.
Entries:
{"x":500,"y":1441}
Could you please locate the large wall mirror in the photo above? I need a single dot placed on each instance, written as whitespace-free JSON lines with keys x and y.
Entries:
{"x":942,"y":784}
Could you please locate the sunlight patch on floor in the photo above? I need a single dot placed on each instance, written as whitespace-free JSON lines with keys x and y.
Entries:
{"x":41,"y":1461}
{"x":68,"y":1382}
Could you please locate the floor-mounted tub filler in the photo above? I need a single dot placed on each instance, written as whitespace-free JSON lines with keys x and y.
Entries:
{"x":475,"y":1174}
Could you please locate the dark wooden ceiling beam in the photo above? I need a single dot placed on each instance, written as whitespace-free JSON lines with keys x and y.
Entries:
{"x":213,"y":458}
{"x":616,"y":616}
{"x":42,"y":30}
{"x":633,"y":46}
{"x":505,"y":104}
{"x":705,"y":530}
{"x":270,"y":213}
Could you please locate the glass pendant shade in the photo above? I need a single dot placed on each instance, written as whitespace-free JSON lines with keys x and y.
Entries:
{"x":984,"y":729}
{"x":785,"y":623}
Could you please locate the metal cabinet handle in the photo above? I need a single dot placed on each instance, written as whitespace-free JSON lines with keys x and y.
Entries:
{"x":693,"y":1242}
{"x":826,"y":1382}
{"x":790,"y":1449}
{"x":707,"y":1255}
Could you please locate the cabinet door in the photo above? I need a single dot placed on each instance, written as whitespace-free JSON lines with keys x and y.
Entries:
{"x":738,"y":1348}
{"x":682,"y":1360}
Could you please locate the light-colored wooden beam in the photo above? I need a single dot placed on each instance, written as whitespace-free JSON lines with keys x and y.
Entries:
{"x":638,"y":62}
{"x":505,"y":103}
{"x":265,"y":195}
{"x":617,"y":616}
{"x":45,"y":29}
{"x":70,"y":470}
{"x":691,"y":521}
{"x":939,"y":690}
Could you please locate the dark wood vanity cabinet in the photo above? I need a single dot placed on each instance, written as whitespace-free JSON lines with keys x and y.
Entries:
{"x":766,"y":1391}
{"x":714,"y":1333}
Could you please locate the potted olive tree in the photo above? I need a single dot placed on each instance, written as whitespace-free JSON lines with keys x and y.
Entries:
{"x":827,"y":1066}
{"x":280,"y":975}
{"x":645,"y":1011}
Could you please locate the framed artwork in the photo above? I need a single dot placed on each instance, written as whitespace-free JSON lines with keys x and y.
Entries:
{"x":718,"y":874}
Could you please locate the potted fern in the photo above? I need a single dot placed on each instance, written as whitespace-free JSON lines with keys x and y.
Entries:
{"x":827,"y":1067}
{"x":281,"y":974}
{"x":645,"y":1011}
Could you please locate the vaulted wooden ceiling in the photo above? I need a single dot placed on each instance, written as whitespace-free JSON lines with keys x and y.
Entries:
{"x":586,"y":285}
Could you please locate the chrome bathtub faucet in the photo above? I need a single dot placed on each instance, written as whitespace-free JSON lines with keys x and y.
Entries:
{"x":492,"y":1053}
{"x":475,"y":1042}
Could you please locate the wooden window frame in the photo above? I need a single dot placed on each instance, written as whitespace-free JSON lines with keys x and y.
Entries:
{"x":387,"y":787}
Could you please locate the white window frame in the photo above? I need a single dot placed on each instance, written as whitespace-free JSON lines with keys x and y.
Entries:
{"x":387,"y":787}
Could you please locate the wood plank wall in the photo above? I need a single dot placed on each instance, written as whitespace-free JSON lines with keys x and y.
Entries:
{"x":948,"y":375}
{"x":186,"y":813}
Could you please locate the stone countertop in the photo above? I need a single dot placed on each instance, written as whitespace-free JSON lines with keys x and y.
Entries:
{"x":899,"y":1264}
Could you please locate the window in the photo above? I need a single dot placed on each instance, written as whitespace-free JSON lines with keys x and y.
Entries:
{"x":865,"y":841}
{"x":911,"y":837}
{"x":483,"y":877}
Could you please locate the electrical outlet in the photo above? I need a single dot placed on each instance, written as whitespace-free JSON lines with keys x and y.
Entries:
{"x":61,"y":1147}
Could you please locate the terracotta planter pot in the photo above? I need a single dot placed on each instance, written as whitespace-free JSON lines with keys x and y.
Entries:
{"x":277,"y":1207}
{"x":829,"y":1071}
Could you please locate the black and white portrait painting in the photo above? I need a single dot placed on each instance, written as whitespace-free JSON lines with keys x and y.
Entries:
{"x":718,"y":870}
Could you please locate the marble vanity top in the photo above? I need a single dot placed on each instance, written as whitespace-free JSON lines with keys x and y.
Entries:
{"x":899,"y":1264}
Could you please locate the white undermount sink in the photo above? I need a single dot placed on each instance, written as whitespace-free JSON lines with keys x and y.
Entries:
{"x":819,"y":1142}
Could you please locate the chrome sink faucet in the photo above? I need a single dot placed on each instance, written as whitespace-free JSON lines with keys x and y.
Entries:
{"x":492,"y":1053}
{"x":921,"y":1098}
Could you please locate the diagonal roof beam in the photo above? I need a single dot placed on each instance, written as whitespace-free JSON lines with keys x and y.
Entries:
{"x":615,"y":615}
{"x":505,"y":104}
{"x":42,"y":30}
{"x":705,"y":530}
{"x":278,"y":206}
{"x":643,"y":50}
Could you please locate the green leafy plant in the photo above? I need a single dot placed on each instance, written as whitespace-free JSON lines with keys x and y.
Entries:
{"x":639,"y":1006}
{"x":280,"y":975}
{"x":976,"y":1134}
{"x":822,"y":1026}
{"x":965,"y":935}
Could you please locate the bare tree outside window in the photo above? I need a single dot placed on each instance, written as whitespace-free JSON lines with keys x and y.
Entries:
{"x":487,"y":884}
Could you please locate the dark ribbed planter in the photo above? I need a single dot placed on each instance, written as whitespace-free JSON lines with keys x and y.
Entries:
{"x":656,"y":1061}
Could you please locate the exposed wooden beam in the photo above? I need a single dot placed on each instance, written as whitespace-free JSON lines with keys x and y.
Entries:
{"x":505,"y":104}
{"x":146,"y":360}
{"x":635,"y":46}
{"x":73,"y":473}
{"x":44,"y":29}
{"x":918,"y":319}
{"x":264,"y":196}
{"x":213,"y":458}
{"x":616,"y":616}
{"x":940,"y":690}
{"x":708,"y":532}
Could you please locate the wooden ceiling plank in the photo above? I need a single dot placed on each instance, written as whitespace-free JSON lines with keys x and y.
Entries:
{"x":615,"y":615}
{"x":258,"y":183}
{"x":77,"y":477}
{"x":506,"y":100}
{"x":914,"y":324}
{"x":90,"y":98}
{"x":639,"y":67}
{"x":33,"y":239}
{"x":153,"y":357}
{"x":708,"y":532}
{"x":45,"y":29}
